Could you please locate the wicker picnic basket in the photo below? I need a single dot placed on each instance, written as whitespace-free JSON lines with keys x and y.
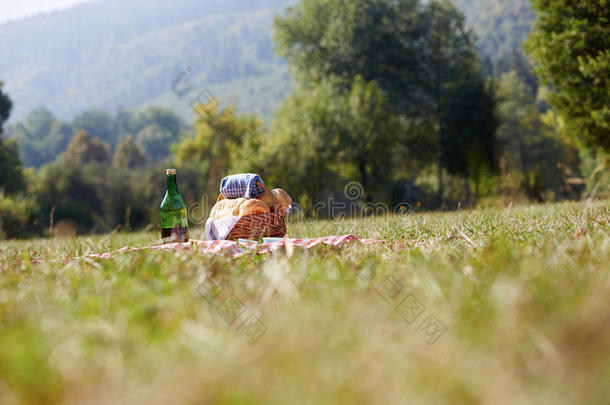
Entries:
{"x":256,"y":226}
{"x":270,"y":224}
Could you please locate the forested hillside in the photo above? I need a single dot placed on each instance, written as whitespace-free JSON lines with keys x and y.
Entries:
{"x":113,"y":53}
{"x":500,"y":25}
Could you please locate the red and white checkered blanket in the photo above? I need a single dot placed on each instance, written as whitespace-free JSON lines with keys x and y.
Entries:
{"x":235,"y":249}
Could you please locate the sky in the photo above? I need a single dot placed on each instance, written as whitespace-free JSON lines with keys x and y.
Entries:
{"x":16,"y":9}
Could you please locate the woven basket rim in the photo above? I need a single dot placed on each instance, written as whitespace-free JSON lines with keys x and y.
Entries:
{"x":269,"y":224}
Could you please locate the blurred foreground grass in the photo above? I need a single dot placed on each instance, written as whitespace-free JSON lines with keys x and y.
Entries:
{"x":487,"y":306}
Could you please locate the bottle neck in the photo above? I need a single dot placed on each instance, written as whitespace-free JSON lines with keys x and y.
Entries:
{"x":172,"y":186}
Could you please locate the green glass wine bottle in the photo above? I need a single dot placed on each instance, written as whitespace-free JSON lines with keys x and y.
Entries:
{"x":174,"y":221}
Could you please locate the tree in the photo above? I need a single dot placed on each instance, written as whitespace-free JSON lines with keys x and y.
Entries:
{"x":57,"y":140}
{"x":217,"y":138}
{"x":16,"y":212}
{"x":11,"y":178}
{"x":156,"y":128}
{"x":5,"y":107}
{"x":41,"y":137}
{"x":127,"y":154}
{"x":419,"y":53}
{"x":533,"y":155}
{"x":571,"y":46}
{"x":64,"y":191}
{"x":128,"y":122}
{"x":516,"y":61}
{"x":377,"y":40}
{"x":98,"y":124}
{"x":370,"y":135}
{"x":454,"y":98}
{"x":28,"y":134}
{"x":164,"y":118}
{"x":328,"y":133}
{"x":84,"y":149}
{"x":300,"y":153}
{"x":155,"y":142}
{"x":469,"y":146}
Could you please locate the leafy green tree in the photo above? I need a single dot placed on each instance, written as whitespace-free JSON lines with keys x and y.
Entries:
{"x":18,"y":216}
{"x":84,"y":149}
{"x":39,"y":122}
{"x":517,"y":62}
{"x":571,"y":46}
{"x":12,"y":172}
{"x":164,"y":118}
{"x":469,"y":147}
{"x":370,"y":136}
{"x":16,"y":212}
{"x":156,"y":128}
{"x":29,"y":133}
{"x":534,"y":156}
{"x":63,"y":190}
{"x":57,"y":140}
{"x":155,"y":142}
{"x":420,"y":55}
{"x":332,"y":132}
{"x":5,"y":107}
{"x":378,"y":40}
{"x":41,"y":137}
{"x":217,"y":137}
{"x":454,"y":98}
{"x":128,"y":155}
{"x":98,"y":124}
{"x":299,"y":154}
{"x":98,"y":197}
{"x":128,"y":122}
{"x":11,"y":179}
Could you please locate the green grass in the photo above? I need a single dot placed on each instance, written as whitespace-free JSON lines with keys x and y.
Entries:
{"x":522,"y":293}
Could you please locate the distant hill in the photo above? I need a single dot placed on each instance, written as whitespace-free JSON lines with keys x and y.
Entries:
{"x":500,"y":25}
{"x":113,"y":53}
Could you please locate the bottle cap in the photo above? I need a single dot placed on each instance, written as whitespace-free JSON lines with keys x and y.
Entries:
{"x":170,"y":171}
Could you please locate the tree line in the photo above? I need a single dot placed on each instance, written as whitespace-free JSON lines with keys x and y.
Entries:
{"x":392,"y":94}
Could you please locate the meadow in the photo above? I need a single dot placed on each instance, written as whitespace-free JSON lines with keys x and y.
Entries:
{"x":485,"y":306}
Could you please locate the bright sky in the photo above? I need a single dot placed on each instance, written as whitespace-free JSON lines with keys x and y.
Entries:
{"x":15,"y":9}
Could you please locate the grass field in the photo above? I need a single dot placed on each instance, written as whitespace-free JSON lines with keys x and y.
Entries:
{"x":491,"y":306}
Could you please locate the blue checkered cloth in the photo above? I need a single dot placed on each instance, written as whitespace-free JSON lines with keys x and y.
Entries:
{"x":241,"y":185}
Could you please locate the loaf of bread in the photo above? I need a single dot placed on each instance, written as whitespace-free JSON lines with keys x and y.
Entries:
{"x":283,"y":199}
{"x":269,"y":199}
{"x":253,"y":206}
{"x":227,"y":208}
